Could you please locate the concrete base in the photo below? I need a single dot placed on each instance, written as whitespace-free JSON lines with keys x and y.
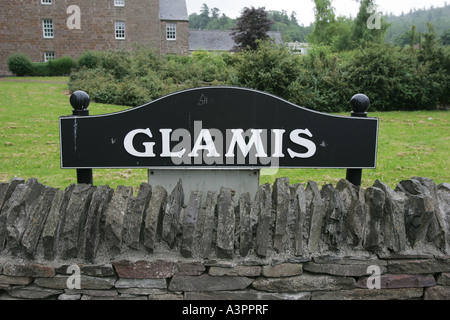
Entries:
{"x":239,"y":180}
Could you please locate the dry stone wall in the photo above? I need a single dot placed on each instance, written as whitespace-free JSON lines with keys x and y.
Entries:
{"x":287,"y":242}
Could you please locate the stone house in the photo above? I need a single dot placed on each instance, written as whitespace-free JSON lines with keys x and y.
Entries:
{"x":48,"y":29}
{"x":218,"y":40}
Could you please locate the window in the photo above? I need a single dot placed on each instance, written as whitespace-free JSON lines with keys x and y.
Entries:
{"x":119,"y":3}
{"x":48,"y":30}
{"x":50,"y":55}
{"x":46,"y":1}
{"x":120,"y":30}
{"x":171,"y":31}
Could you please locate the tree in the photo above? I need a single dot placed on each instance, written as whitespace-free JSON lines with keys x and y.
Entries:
{"x":204,"y":16}
{"x":368,"y":26}
{"x":251,"y":26}
{"x":445,"y":37}
{"x":324,"y":19}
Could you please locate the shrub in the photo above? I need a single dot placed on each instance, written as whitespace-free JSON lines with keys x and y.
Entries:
{"x":61,"y":66}
{"x":20,"y":65}
{"x":393,"y":79}
{"x":41,"y":69}
{"x":88,"y":59}
{"x":272,"y":68}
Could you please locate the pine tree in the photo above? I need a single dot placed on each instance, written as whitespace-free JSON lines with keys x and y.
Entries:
{"x":324,"y":20}
{"x":368,"y":26}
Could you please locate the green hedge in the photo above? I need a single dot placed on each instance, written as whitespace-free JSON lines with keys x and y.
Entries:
{"x":323,"y":80}
{"x":20,"y":65}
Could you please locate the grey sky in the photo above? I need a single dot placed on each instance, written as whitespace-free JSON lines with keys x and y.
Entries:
{"x":304,"y":8}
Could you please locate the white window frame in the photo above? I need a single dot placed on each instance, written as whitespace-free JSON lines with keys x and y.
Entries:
{"x":171,"y":31}
{"x":49,"y":55}
{"x":119,"y":3}
{"x":48,"y":28}
{"x":46,"y":2}
{"x":120,"y":30}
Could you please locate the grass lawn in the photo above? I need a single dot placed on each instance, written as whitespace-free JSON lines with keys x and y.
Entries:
{"x":409,"y":143}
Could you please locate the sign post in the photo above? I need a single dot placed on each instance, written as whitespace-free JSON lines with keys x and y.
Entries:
{"x":360,"y":104}
{"x":218,"y":128}
{"x":80,"y":102}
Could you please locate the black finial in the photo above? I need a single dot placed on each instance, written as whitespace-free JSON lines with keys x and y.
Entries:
{"x":80,"y":100}
{"x":360,"y":104}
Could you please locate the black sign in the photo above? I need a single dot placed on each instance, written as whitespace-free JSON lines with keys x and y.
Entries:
{"x":223,"y":127}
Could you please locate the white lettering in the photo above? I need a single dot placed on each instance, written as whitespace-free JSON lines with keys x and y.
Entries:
{"x":308,"y":144}
{"x":166,"y":145}
{"x":204,"y":135}
{"x":255,"y":140}
{"x":129,"y":147}
{"x":278,"y":152}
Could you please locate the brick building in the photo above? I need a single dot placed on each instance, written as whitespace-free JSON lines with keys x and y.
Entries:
{"x":46,"y":29}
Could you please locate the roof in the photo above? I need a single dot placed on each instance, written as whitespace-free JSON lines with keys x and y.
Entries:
{"x":217,"y":40}
{"x":173,"y":10}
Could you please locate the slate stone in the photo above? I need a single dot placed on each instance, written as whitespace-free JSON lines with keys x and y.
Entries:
{"x":54,"y":224}
{"x":208,"y":283}
{"x":190,"y":268}
{"x":15,"y":280}
{"x":262,"y":209}
{"x":443,"y":195}
{"x":393,"y":230}
{"x":118,"y":208}
{"x":75,"y":219}
{"x":315,"y":212}
{"x":391,"y":281}
{"x":443,"y":279}
{"x":206,"y":225}
{"x":34,"y":292}
{"x":141,"y":283}
{"x":281,"y":197}
{"x":93,"y":230}
{"x":374,"y":198}
{"x":419,"y":210}
{"x":436,"y":229}
{"x":28,"y":270}
{"x":189,"y":225}
{"x":365,"y":294}
{"x":245,"y":271}
{"x":418,"y":266}
{"x":225,"y":224}
{"x":437,"y":293}
{"x":100,"y":270}
{"x":153,"y":221}
{"x":245,"y":295}
{"x":299,"y":215}
{"x":166,"y":296}
{"x":96,"y":293}
{"x":353,"y":198}
{"x":304,"y":282}
{"x":69,"y":297}
{"x":334,"y":219}
{"x":346,"y":270}
{"x":245,"y":228}
{"x":134,"y":219}
{"x":6,"y":190}
{"x":37,"y":220}
{"x":86,"y":282}
{"x":18,"y":210}
{"x":142,"y":269}
{"x":171,"y":216}
{"x":282,"y":270}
